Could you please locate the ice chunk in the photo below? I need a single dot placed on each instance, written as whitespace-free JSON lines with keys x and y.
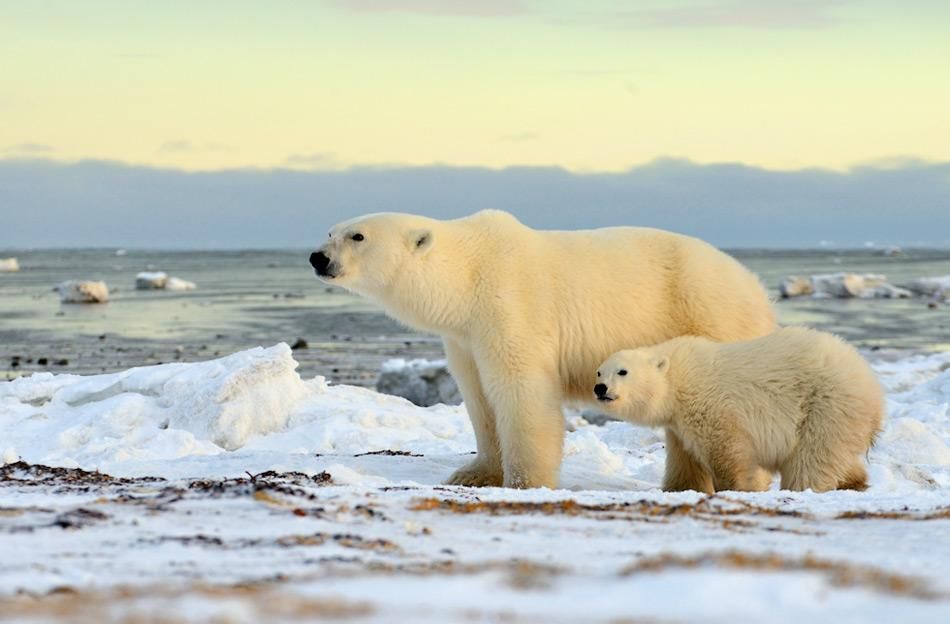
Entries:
{"x":795,"y":286}
{"x":9,"y":265}
{"x":83,"y":291}
{"x":423,"y":382}
{"x":842,"y":286}
{"x":148,"y":280}
{"x":176,"y":283}
{"x":937,"y":287}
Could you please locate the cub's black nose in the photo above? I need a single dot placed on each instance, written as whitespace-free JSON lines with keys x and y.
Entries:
{"x":600,"y":389}
{"x":320,"y":262}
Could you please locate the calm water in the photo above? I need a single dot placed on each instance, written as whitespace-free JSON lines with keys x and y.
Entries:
{"x":249,"y":298}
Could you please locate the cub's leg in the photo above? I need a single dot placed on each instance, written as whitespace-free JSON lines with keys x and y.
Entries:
{"x":855,"y":478}
{"x":683,"y":472}
{"x":733,"y":465}
{"x":486,"y":468}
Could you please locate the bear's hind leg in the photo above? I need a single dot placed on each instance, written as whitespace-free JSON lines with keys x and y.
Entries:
{"x":486,"y":469}
{"x":682,"y":471}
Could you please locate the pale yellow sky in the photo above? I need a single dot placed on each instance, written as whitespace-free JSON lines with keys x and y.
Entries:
{"x":594,"y":85}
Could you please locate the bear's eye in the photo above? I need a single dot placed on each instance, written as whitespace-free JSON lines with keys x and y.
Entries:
{"x":358,"y":237}
{"x":622,"y":372}
{"x":598,"y":373}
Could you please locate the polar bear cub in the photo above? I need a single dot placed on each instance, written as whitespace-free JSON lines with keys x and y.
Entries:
{"x":798,"y":401}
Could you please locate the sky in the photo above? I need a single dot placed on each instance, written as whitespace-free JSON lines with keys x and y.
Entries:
{"x":578,"y":87}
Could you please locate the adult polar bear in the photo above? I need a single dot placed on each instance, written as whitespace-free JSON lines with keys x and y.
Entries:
{"x":526,"y":316}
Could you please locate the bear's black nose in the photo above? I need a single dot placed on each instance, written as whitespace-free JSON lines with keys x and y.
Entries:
{"x":320,"y":262}
{"x":600,"y":389}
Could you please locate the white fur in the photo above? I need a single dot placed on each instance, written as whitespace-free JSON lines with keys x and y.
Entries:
{"x":526,"y":315}
{"x":797,"y":401}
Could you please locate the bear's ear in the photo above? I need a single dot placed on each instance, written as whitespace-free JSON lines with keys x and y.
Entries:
{"x":420,"y":241}
{"x":663,"y":364}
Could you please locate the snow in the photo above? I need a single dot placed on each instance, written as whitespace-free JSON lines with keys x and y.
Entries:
{"x":83,"y":291}
{"x":9,"y":265}
{"x":176,"y":283}
{"x":353,"y":521}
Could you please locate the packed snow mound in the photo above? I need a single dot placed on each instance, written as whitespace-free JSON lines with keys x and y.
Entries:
{"x":252,"y":406}
{"x":82,"y":291}
{"x":424,"y":382}
{"x":9,"y":265}
{"x":842,"y":286}
{"x":158,"y":280}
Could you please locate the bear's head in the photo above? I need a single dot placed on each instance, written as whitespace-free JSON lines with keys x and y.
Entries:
{"x":633,"y":385}
{"x":393,"y":259}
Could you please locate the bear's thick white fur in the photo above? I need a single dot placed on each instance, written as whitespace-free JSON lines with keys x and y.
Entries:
{"x":798,"y":401}
{"x":526,"y":315}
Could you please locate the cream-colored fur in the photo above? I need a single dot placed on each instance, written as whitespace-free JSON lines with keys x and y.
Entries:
{"x":798,"y":401}
{"x":525,"y":315}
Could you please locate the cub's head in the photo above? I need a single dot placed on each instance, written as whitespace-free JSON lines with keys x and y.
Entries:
{"x":633,"y":385}
{"x":369,"y":254}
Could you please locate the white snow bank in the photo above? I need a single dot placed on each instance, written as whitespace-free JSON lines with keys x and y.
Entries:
{"x":147,"y":420}
{"x":158,"y":280}
{"x":9,"y":265}
{"x":82,"y":291}
{"x":842,"y":286}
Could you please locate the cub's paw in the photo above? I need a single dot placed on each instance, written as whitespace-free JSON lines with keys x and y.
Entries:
{"x":477,"y":474}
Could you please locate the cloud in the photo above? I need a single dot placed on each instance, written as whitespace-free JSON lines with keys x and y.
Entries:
{"x":104,"y":204}
{"x":444,"y":8}
{"x":29,"y":149}
{"x":314,"y":160}
{"x":753,"y":14}
{"x":183,"y":146}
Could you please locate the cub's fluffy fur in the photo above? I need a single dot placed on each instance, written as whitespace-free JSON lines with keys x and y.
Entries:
{"x":798,"y":401}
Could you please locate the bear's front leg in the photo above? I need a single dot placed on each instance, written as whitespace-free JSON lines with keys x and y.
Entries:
{"x":486,"y":468}
{"x":530,"y":427}
{"x":683,"y":472}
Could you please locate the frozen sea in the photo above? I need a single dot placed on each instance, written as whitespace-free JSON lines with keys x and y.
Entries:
{"x":239,"y":483}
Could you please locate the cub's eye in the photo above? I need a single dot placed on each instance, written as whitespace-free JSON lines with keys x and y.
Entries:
{"x":622,"y":372}
{"x":358,"y":237}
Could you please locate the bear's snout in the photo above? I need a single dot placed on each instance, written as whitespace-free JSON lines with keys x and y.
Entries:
{"x":320,"y":263}
{"x":601,"y":391}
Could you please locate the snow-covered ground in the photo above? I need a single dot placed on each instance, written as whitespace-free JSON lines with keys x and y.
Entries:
{"x":232,"y":489}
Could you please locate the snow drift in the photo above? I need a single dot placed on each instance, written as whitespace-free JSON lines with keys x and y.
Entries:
{"x":254,"y":403}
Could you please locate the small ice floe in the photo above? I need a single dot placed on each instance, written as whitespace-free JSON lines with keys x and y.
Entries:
{"x":842,"y":286}
{"x":83,"y":291}
{"x":937,"y":287}
{"x":159,"y":280}
{"x":176,"y":283}
{"x":423,"y":382}
{"x":9,"y":265}
{"x":150,"y":280}
{"x":121,"y":252}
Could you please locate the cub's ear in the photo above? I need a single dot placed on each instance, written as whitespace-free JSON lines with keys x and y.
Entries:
{"x":420,"y":241}
{"x":663,"y":364}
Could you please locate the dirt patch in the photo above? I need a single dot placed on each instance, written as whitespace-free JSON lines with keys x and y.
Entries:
{"x":261,"y":602}
{"x":941,"y":513}
{"x":839,"y":574}
{"x":22,"y":473}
